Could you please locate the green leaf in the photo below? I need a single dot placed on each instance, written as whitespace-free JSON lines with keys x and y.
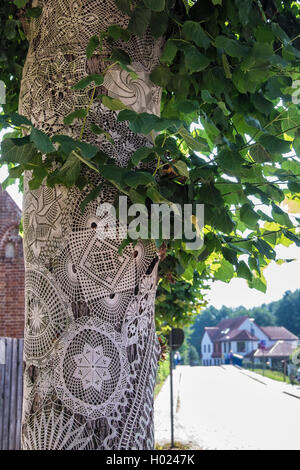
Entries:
{"x":243,"y":271}
{"x":35,"y":183}
{"x":182,"y":168}
{"x":85,"y":82}
{"x":190,"y":140}
{"x":141,"y":154}
{"x":294,"y":186}
{"x":10,"y":31}
{"x":156,"y":196}
{"x":93,"y":43}
{"x":16,"y":171}
{"x":169,"y":52}
{"x":161,"y":76}
{"x":207,"y":98}
{"x":34,"y":12}
{"x":249,"y":216}
{"x":118,"y":55}
{"x":222,"y":221}
{"x":21,"y":3}
{"x":259,"y":154}
{"x":17,"y":150}
{"x":124,"y":5}
{"x":113,"y":103}
{"x":292,"y":166}
{"x":194,"y":32}
{"x":91,"y":197}
{"x":262,"y":104}
{"x":265,"y":249}
{"x":225,"y":272}
{"x":294,"y":238}
{"x":137,"y":197}
{"x":117,"y":33}
{"x":113,"y":173}
{"x":155,"y":5}
{"x":138,"y":178}
{"x":144,"y":123}
{"x":281,"y":217}
{"x":158,"y":24}
{"x":41,"y":141}
{"x":70,"y":171}
{"x":230,"y":161}
{"x":139,"y":20}
{"x":195,"y":60}
{"x":98,"y":131}
{"x":258,"y":283}
{"x":19,"y":120}
{"x":78,"y":114}
{"x":274,"y":145}
{"x":232,"y":47}
{"x":296,"y":145}
{"x":69,"y":145}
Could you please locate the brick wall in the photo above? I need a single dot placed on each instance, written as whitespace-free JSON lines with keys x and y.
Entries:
{"x":11,"y":269}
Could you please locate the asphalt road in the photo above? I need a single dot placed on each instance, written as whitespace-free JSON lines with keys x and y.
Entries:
{"x":227,"y":408}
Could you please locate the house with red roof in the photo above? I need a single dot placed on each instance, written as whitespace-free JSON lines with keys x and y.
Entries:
{"x":241,"y":338}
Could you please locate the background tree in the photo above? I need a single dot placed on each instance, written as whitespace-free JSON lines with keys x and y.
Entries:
{"x":228,"y":137}
{"x":193,"y":356}
{"x":287,"y":312}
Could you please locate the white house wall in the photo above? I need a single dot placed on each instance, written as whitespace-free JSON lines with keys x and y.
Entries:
{"x":250,"y":325}
{"x":206,"y":341}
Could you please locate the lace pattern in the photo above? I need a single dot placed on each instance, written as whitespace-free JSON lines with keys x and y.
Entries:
{"x":90,"y":344}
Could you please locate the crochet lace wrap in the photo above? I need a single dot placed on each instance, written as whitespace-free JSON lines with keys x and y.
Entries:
{"x":90,"y":344}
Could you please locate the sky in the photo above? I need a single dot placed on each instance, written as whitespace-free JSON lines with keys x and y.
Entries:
{"x":280,"y":278}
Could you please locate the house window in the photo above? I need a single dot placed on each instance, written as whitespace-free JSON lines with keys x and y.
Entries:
{"x":204,"y":348}
{"x":208,"y":347}
{"x":9,"y":250}
{"x":241,"y":346}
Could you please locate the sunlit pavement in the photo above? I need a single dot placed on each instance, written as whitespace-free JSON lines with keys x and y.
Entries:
{"x":226,"y":408}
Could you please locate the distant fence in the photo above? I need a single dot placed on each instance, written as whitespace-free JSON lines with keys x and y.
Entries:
{"x":11,"y":391}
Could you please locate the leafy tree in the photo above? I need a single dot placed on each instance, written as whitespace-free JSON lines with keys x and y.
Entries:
{"x":288,"y":312}
{"x":262,"y":316}
{"x":179,"y":302}
{"x":227,"y":137}
{"x":193,"y":356}
{"x":209,"y":317}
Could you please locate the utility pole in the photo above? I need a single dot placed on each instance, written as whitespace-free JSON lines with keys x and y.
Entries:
{"x":171,"y":389}
{"x":175,"y":341}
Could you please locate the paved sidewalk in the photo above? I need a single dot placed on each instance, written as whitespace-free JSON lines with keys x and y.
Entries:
{"x":283,"y":387}
{"x":227,"y":408}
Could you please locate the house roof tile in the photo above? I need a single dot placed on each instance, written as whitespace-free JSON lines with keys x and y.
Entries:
{"x":212,"y":331}
{"x":279,"y":349}
{"x":275,"y":333}
{"x":231,"y":323}
{"x":238,"y":335}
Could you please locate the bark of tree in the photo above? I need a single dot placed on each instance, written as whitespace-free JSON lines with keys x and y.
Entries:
{"x":91,"y":349}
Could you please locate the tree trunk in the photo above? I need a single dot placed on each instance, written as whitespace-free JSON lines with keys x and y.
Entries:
{"x":90,"y":344}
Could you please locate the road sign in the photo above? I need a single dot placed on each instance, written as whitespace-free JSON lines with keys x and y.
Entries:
{"x":176,"y":338}
{"x":262,"y":345}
